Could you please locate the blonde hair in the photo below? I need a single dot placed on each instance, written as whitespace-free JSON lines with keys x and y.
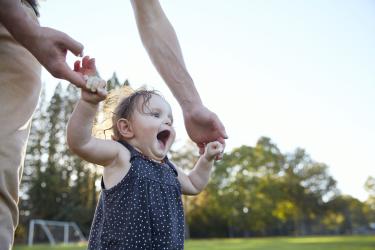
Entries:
{"x":120,"y":103}
{"x":103,"y":126}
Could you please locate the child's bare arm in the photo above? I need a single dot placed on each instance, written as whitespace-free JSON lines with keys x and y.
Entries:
{"x":194,"y":182}
{"x":80,"y":141}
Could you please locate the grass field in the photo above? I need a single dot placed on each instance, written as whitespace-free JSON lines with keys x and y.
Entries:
{"x":279,"y":243}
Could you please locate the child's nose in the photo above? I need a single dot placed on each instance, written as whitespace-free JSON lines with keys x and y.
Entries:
{"x":168,"y":121}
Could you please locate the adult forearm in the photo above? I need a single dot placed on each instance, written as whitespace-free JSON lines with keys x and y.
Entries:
{"x":80,"y":125}
{"x":160,"y":41}
{"x":200,"y":175}
{"x":21,"y":26}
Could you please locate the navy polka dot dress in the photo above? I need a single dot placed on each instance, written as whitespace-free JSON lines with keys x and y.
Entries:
{"x":143,"y":211}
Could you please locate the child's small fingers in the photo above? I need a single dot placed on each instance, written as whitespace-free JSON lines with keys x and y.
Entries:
{"x":89,"y":85}
{"x":222,"y":147}
{"x":91,"y":64}
{"x":85,"y":61}
{"x":102,"y":88}
{"x":88,"y":81}
{"x":201,"y":147}
{"x":213,"y":148}
{"x":219,"y":157}
{"x":77,"y":66}
{"x":218,"y":150}
{"x":103,"y":84}
{"x":102,"y":93}
{"x":95,"y":83}
{"x":216,"y":145}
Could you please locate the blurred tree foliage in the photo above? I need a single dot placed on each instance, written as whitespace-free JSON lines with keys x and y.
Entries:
{"x":253,"y":191}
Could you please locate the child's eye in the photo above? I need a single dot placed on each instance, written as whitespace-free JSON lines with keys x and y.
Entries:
{"x":155,"y":114}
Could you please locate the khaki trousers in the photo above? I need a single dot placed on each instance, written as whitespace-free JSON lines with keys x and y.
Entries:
{"x":20,"y":86}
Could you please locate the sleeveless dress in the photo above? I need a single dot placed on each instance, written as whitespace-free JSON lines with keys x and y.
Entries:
{"x":143,"y":211}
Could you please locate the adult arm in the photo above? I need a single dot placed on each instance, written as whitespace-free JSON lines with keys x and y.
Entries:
{"x":161,"y":43}
{"x":49,"y":46}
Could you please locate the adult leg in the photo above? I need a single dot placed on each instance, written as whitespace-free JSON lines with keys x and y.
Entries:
{"x":20,"y":86}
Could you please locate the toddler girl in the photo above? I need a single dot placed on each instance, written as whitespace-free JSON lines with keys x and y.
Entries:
{"x":140,"y":204}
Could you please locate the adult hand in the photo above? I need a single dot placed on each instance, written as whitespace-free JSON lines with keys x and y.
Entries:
{"x":204,"y":126}
{"x":50,"y":47}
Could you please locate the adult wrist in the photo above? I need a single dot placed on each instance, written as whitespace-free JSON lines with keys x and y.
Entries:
{"x":188,"y":106}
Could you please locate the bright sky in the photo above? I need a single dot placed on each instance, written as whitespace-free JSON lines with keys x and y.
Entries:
{"x":299,"y":72}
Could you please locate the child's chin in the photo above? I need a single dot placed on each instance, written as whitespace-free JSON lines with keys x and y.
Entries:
{"x":160,"y":154}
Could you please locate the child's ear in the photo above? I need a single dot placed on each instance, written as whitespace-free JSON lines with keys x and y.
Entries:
{"x":124,"y":128}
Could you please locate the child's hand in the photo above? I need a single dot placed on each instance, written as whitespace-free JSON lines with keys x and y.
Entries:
{"x":214,"y":150}
{"x":95,"y":87}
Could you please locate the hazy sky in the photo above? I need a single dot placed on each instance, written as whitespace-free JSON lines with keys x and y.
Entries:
{"x":299,"y":72}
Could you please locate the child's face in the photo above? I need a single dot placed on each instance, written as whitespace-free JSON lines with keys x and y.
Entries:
{"x":152,"y":126}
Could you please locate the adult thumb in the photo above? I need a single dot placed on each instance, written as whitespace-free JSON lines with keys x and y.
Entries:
{"x":72,"y":76}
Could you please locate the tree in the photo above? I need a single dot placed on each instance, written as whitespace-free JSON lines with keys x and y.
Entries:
{"x":370,"y":202}
{"x":47,"y":183}
{"x":239,"y":195}
{"x":351,"y":210}
{"x":114,"y":83}
{"x":306,"y":183}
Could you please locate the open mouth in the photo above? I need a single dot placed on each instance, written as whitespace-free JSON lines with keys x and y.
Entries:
{"x":163,"y":136}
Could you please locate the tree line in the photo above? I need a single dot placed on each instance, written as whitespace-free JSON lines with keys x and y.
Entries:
{"x":253,"y":191}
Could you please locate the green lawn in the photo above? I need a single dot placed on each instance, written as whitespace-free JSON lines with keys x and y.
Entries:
{"x":278,"y":243}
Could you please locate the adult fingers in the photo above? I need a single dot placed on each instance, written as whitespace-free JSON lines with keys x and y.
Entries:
{"x":221,"y":140}
{"x":102,"y":88}
{"x":102,"y":93}
{"x":72,"y":76}
{"x":201,"y":147}
{"x":72,"y":45}
{"x":91,"y":65}
{"x":86,"y":62}
{"x":218,"y":126}
{"x":221,"y":129}
{"x":77,"y":66}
